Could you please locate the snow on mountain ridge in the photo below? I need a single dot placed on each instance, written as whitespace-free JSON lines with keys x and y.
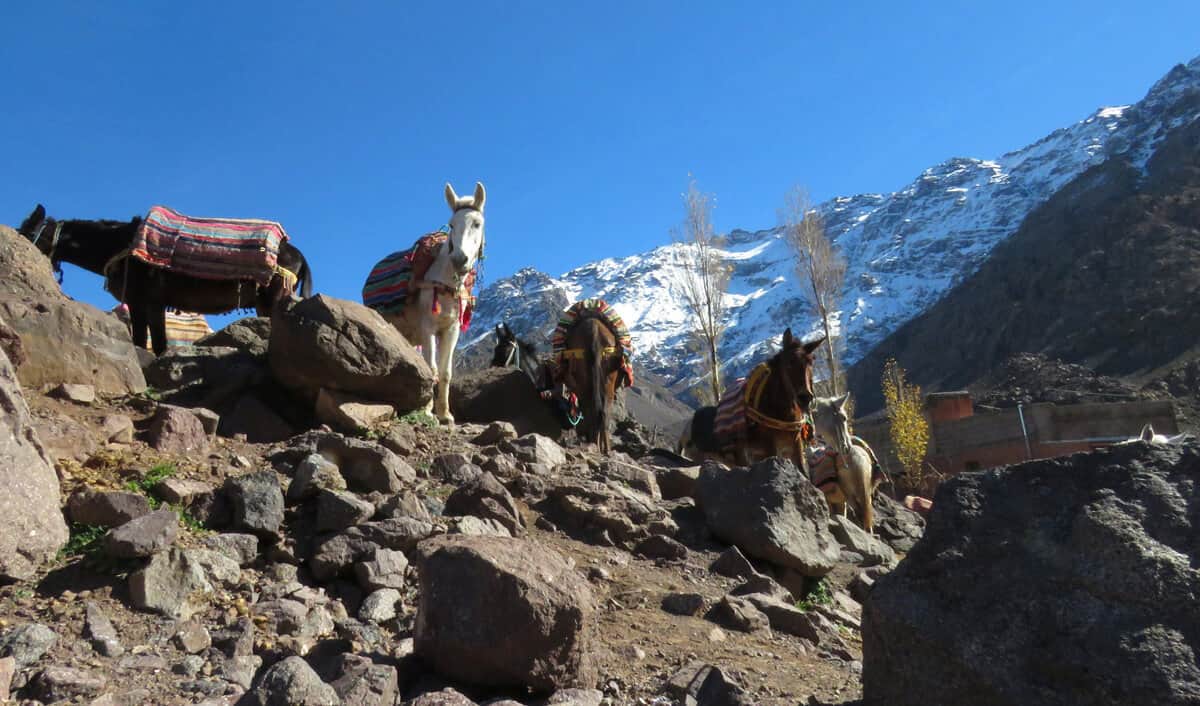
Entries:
{"x":904,"y":250}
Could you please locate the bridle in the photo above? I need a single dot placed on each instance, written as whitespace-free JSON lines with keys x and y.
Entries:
{"x":37,"y":235}
{"x":449,"y":230}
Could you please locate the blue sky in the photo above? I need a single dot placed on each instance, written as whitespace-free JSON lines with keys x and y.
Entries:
{"x":343,"y":120}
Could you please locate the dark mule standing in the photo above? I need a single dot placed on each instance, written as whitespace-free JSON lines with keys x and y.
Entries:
{"x":775,"y":422}
{"x":592,"y":375}
{"x":148,"y":290}
{"x":512,"y":351}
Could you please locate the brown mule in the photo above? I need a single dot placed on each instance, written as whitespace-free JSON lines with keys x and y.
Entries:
{"x":773,"y":403}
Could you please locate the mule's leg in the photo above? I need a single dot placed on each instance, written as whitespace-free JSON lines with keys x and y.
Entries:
{"x":156,"y":312}
{"x":138,"y":321}
{"x":447,"y":339}
{"x":424,"y":327}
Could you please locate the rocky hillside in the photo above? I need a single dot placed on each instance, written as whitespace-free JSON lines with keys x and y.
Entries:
{"x":905,"y":249}
{"x":268,"y":522}
{"x":1105,"y":274}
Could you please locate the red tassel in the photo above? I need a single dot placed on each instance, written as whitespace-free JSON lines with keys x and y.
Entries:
{"x":437,"y":305}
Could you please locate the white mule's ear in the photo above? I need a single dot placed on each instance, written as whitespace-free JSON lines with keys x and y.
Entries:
{"x":451,"y":197}
{"x":480,"y":196}
{"x":1147,"y":433}
{"x":841,"y":401}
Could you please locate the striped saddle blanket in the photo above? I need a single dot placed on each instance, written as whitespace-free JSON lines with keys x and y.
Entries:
{"x":183,"y":328}
{"x":388,"y":285}
{"x":731,"y":425}
{"x":600,"y":309}
{"x":209,"y":248}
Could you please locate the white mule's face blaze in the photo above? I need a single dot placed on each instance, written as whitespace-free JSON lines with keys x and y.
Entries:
{"x":465,"y":244}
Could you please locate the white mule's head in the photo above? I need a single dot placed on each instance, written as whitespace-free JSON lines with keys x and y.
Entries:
{"x":832,"y":421}
{"x":465,"y":244}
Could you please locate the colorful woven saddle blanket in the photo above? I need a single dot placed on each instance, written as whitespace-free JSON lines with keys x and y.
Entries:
{"x":391,"y":280}
{"x":732,"y":424}
{"x":600,"y":309}
{"x":183,"y":328}
{"x":209,"y":248}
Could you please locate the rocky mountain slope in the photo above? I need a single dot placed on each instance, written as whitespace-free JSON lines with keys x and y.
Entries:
{"x":905,"y":249}
{"x":1106,"y":273}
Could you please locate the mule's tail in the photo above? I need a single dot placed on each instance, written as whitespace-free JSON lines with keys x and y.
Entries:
{"x":599,"y":409}
{"x":306,"y":278}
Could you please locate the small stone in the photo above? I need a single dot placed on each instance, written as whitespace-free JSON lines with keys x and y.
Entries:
{"x":61,"y":683}
{"x":172,"y":583}
{"x":8,"y":669}
{"x":83,"y":394}
{"x":192,"y":637}
{"x":242,"y":548}
{"x":176,"y":430}
{"x":683,"y":603}
{"x":117,"y":428}
{"x":144,"y":536}
{"x":311,"y":475}
{"x":291,"y":682}
{"x":180,"y":491}
{"x":339,"y":510}
{"x":111,"y":509}
{"x":27,"y":643}
{"x":734,"y":564}
{"x":257,"y":501}
{"x":576,"y":697}
{"x":100,"y":631}
{"x":495,"y":433}
{"x":716,"y":635}
{"x":659,"y":547}
{"x":740,"y":614}
{"x":190,"y":666}
{"x":380,"y":606}
{"x":385,"y":570}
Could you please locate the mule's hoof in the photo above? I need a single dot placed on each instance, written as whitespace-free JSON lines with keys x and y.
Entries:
{"x":446,"y":421}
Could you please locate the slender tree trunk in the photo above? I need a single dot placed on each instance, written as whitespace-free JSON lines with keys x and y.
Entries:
{"x":824,"y":312}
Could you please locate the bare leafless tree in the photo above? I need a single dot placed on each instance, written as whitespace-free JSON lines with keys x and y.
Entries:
{"x":821,"y":270}
{"x":705,"y":280}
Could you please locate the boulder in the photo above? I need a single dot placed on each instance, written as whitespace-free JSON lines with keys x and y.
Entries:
{"x":504,"y":612}
{"x":485,"y":498}
{"x":61,"y":340}
{"x":322,"y":342}
{"x":502,"y":395}
{"x":31,"y":524}
{"x":62,"y":683}
{"x":249,"y":334}
{"x":117,"y":428}
{"x":656,"y":546}
{"x":1064,"y":581}
{"x":349,"y":413}
{"x":242,"y":548}
{"x":770,"y":511}
{"x":623,"y":514}
{"x":384,"y":570}
{"x":380,"y":606}
{"x":494,"y":433}
{"x":368,"y":684}
{"x":337,"y":554}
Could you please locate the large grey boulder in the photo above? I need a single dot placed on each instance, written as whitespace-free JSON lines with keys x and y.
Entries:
{"x":31,"y":524}
{"x":504,"y":612}
{"x":770,"y":511}
{"x":502,"y":395}
{"x":1065,"y":581}
{"x":62,"y":340}
{"x":322,"y":342}
{"x":249,"y":334}
{"x":291,"y":682}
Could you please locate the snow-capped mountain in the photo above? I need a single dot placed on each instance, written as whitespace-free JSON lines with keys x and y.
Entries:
{"x":904,"y":250}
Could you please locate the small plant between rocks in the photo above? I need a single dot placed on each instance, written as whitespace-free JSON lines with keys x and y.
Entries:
{"x":817,"y":595}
